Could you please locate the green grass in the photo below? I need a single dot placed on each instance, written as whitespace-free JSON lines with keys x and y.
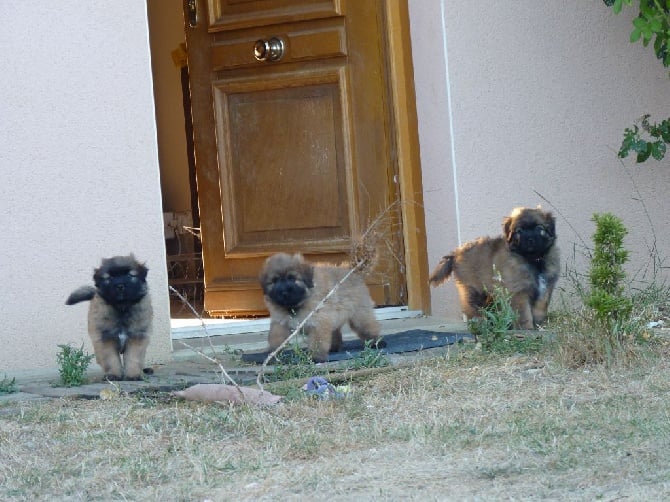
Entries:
{"x":470,"y":424}
{"x":8,"y":386}
{"x":72,"y":365}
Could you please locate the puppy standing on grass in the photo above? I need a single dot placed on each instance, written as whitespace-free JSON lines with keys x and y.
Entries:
{"x":119,"y":316}
{"x":525,"y":257}
{"x":293,"y":288}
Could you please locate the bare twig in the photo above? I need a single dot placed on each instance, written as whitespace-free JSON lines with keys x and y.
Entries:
{"x":209,"y":339}
{"x":302,"y":323}
{"x":361,"y":263}
{"x":586,"y":247}
{"x":653,"y":247}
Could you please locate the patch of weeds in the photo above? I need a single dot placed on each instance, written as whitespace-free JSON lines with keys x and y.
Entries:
{"x":492,"y":328}
{"x":609,"y":326}
{"x":296,"y":362}
{"x":8,"y":386}
{"x":72,"y":365}
{"x":369,"y":357}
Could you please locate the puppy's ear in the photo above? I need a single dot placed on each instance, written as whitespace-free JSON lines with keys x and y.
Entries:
{"x":97,"y":275}
{"x":307,"y":272}
{"x":264,"y":279}
{"x":551,"y":223}
{"x":507,"y":227}
{"x":142,"y":271}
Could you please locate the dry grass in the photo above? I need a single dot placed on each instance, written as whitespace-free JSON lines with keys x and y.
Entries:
{"x":459,"y":427}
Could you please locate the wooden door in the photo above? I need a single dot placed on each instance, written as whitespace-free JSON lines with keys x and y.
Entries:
{"x":295,"y":152}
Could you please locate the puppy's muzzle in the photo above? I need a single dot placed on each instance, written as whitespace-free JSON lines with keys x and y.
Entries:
{"x":531,"y":241}
{"x":287,"y":293}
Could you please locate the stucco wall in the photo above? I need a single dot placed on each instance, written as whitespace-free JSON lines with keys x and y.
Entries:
{"x":166,"y":29}
{"x":79,"y":168}
{"x":540,"y":95}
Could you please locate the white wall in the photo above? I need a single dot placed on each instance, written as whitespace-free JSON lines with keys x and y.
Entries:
{"x":79,"y":168}
{"x":166,"y":33}
{"x":540,"y":95}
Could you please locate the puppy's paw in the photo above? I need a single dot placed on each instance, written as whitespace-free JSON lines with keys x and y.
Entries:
{"x":113,"y":378}
{"x":376,"y":343}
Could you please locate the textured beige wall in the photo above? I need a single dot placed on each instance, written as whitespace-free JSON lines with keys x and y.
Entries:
{"x":79,"y":169}
{"x":166,"y":30}
{"x":540,"y":95}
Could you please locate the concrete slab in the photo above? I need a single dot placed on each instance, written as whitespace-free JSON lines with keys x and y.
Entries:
{"x":189,"y":366}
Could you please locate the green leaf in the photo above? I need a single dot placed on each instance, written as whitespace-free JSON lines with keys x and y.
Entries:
{"x":665,"y":132}
{"x":635,"y":35}
{"x":658,"y":45}
{"x":644,"y":155}
{"x":618,"y":6}
{"x":640,"y":23}
{"x":658,"y":150}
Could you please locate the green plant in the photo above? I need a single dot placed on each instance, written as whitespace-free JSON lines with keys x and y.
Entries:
{"x":493,"y":326}
{"x":8,"y":386}
{"x":610,"y":325}
{"x":73,"y":364}
{"x":293,"y":362}
{"x":654,"y":147}
{"x":369,"y":357}
{"x":652,"y":23}
{"x":606,"y":296}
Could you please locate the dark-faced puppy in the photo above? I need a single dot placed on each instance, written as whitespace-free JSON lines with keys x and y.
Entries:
{"x":525,"y":257}
{"x":294,"y":287}
{"x":119,"y":316}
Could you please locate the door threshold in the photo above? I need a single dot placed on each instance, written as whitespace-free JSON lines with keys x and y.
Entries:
{"x":200,"y":328}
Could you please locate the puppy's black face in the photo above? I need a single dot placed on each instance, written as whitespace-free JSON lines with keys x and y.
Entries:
{"x":530,"y":232}
{"x":121,"y":280}
{"x":286,"y":279}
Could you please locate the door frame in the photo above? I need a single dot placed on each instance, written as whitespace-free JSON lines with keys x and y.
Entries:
{"x":406,"y":137}
{"x":403,"y":108}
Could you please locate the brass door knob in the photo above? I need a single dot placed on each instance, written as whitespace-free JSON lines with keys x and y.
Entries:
{"x":269,"y":50}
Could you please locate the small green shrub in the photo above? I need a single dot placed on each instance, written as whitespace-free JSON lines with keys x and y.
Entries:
{"x":369,"y":357}
{"x":73,"y":363}
{"x":296,"y":362}
{"x":610,"y":325}
{"x":8,"y":386}
{"x":492,"y":328}
{"x":606,"y":276}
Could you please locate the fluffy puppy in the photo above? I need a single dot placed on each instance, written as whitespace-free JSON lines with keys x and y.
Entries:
{"x":119,"y":316}
{"x":293,"y":288}
{"x":525,"y":258}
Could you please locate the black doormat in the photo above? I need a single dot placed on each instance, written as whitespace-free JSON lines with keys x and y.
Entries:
{"x":405,"y":341}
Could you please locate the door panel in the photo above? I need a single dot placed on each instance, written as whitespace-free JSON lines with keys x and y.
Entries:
{"x":284,"y":176}
{"x":293,"y":155}
{"x":231,"y":14}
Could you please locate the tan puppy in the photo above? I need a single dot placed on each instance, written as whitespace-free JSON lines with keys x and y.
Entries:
{"x":525,"y":258}
{"x":293,"y":288}
{"x":119,"y":316}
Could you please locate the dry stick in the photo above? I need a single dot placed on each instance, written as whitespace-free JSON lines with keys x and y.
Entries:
{"x":200,"y":352}
{"x":301,"y":324}
{"x":565,"y":219}
{"x":320,"y":305}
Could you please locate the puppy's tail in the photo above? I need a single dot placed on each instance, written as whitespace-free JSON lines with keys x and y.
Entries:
{"x":442,"y":271}
{"x":82,"y":294}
